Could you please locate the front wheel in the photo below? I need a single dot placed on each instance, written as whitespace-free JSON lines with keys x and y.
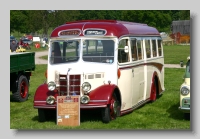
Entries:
{"x":42,"y":115}
{"x":22,"y":89}
{"x":111,"y":111}
{"x":187,"y":116}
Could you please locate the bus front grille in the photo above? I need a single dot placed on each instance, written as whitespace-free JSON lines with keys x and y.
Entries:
{"x":74,"y":84}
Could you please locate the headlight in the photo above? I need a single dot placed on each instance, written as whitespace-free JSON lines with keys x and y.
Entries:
{"x":50,"y":99}
{"x":51,"y":86}
{"x":85,"y":99}
{"x":86,"y":86}
{"x":185,"y":91}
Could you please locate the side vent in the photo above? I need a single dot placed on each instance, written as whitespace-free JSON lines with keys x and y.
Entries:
{"x":97,"y":75}
{"x":91,"y":76}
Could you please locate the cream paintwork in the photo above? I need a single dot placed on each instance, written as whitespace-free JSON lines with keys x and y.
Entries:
{"x":186,"y":106}
{"x":85,"y":69}
{"x":140,"y":81}
{"x":134,"y":83}
{"x":186,"y":83}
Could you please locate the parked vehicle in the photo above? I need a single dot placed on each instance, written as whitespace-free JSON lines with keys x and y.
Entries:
{"x":21,"y":66}
{"x":185,"y":91}
{"x":25,"y":43}
{"x":113,"y":66}
{"x":30,"y":37}
{"x":13,"y":38}
{"x":26,"y":40}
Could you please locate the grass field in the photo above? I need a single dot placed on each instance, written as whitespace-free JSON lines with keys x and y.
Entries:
{"x":162,"y":114}
{"x":175,"y":53}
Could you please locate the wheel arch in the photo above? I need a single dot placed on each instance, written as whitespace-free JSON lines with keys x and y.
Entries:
{"x":154,"y":80}
{"x":118,"y":95}
{"x":157,"y":80}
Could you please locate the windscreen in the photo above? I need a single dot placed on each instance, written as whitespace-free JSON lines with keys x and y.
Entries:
{"x":64,"y":51}
{"x":100,"y":51}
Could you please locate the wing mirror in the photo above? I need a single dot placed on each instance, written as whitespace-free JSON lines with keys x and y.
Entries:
{"x":126,"y":49}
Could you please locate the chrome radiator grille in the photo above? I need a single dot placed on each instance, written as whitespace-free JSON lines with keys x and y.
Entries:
{"x":74,"y":84}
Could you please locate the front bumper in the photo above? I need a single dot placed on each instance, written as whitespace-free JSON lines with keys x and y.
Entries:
{"x":185,"y":105}
{"x":185,"y":110}
{"x":91,"y":105}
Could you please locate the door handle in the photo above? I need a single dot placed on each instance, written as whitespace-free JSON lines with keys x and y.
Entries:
{"x":133,"y":72}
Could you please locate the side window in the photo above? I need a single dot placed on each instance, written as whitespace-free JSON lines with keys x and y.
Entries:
{"x":134,"y":50}
{"x":148,"y":48}
{"x":159,"y":47}
{"x":122,"y":56}
{"x":139,"y":49}
{"x":154,"y":48}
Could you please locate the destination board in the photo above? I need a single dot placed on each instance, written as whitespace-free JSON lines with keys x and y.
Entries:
{"x":68,"y":110}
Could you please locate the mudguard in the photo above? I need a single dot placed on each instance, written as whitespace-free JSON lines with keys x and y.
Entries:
{"x":41,"y":92}
{"x":103,"y":92}
{"x":158,"y":83}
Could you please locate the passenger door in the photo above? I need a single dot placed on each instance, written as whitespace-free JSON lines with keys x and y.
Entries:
{"x":138,"y":83}
{"x":124,"y":82}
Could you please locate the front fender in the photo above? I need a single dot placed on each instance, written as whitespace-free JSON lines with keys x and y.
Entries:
{"x":103,"y":92}
{"x":42,"y":92}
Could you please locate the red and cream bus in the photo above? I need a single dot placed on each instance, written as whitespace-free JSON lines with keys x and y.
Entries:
{"x":115,"y":66}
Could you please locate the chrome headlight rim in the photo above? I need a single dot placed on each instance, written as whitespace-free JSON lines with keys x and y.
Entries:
{"x":51,"y":86}
{"x":86,"y":86}
{"x":50,"y":99}
{"x":85,"y":99}
{"x":184,"y":90}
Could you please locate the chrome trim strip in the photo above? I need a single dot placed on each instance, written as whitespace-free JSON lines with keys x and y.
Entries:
{"x":44,"y":107}
{"x":41,"y":101}
{"x":184,"y":109}
{"x":98,"y":101}
{"x":99,"y":106}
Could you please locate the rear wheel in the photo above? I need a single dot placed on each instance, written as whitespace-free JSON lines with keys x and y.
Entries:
{"x":21,"y":92}
{"x":111,"y":111}
{"x":154,"y":91}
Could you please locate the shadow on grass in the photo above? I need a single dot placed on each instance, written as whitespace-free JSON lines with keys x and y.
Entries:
{"x":85,"y":116}
{"x":175,"y":113}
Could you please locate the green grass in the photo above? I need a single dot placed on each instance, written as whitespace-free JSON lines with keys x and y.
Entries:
{"x":162,"y":114}
{"x":173,"y":54}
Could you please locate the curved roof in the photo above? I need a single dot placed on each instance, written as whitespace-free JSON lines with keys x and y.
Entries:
{"x":113,"y":27}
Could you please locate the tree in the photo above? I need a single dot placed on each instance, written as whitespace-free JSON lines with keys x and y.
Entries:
{"x":18,"y":20}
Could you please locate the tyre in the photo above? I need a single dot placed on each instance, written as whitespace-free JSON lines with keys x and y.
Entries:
{"x":187,"y":116}
{"x":111,"y":111}
{"x":106,"y":117}
{"x":154,"y":91}
{"x":21,"y":93}
{"x":42,"y":115}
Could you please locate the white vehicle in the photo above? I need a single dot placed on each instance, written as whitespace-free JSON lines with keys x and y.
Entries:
{"x":185,"y":91}
{"x":114,"y":66}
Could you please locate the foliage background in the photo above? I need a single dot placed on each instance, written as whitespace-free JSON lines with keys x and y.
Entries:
{"x":41,"y":21}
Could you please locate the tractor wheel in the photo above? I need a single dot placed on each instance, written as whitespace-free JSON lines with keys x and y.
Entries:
{"x":22,"y":90}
